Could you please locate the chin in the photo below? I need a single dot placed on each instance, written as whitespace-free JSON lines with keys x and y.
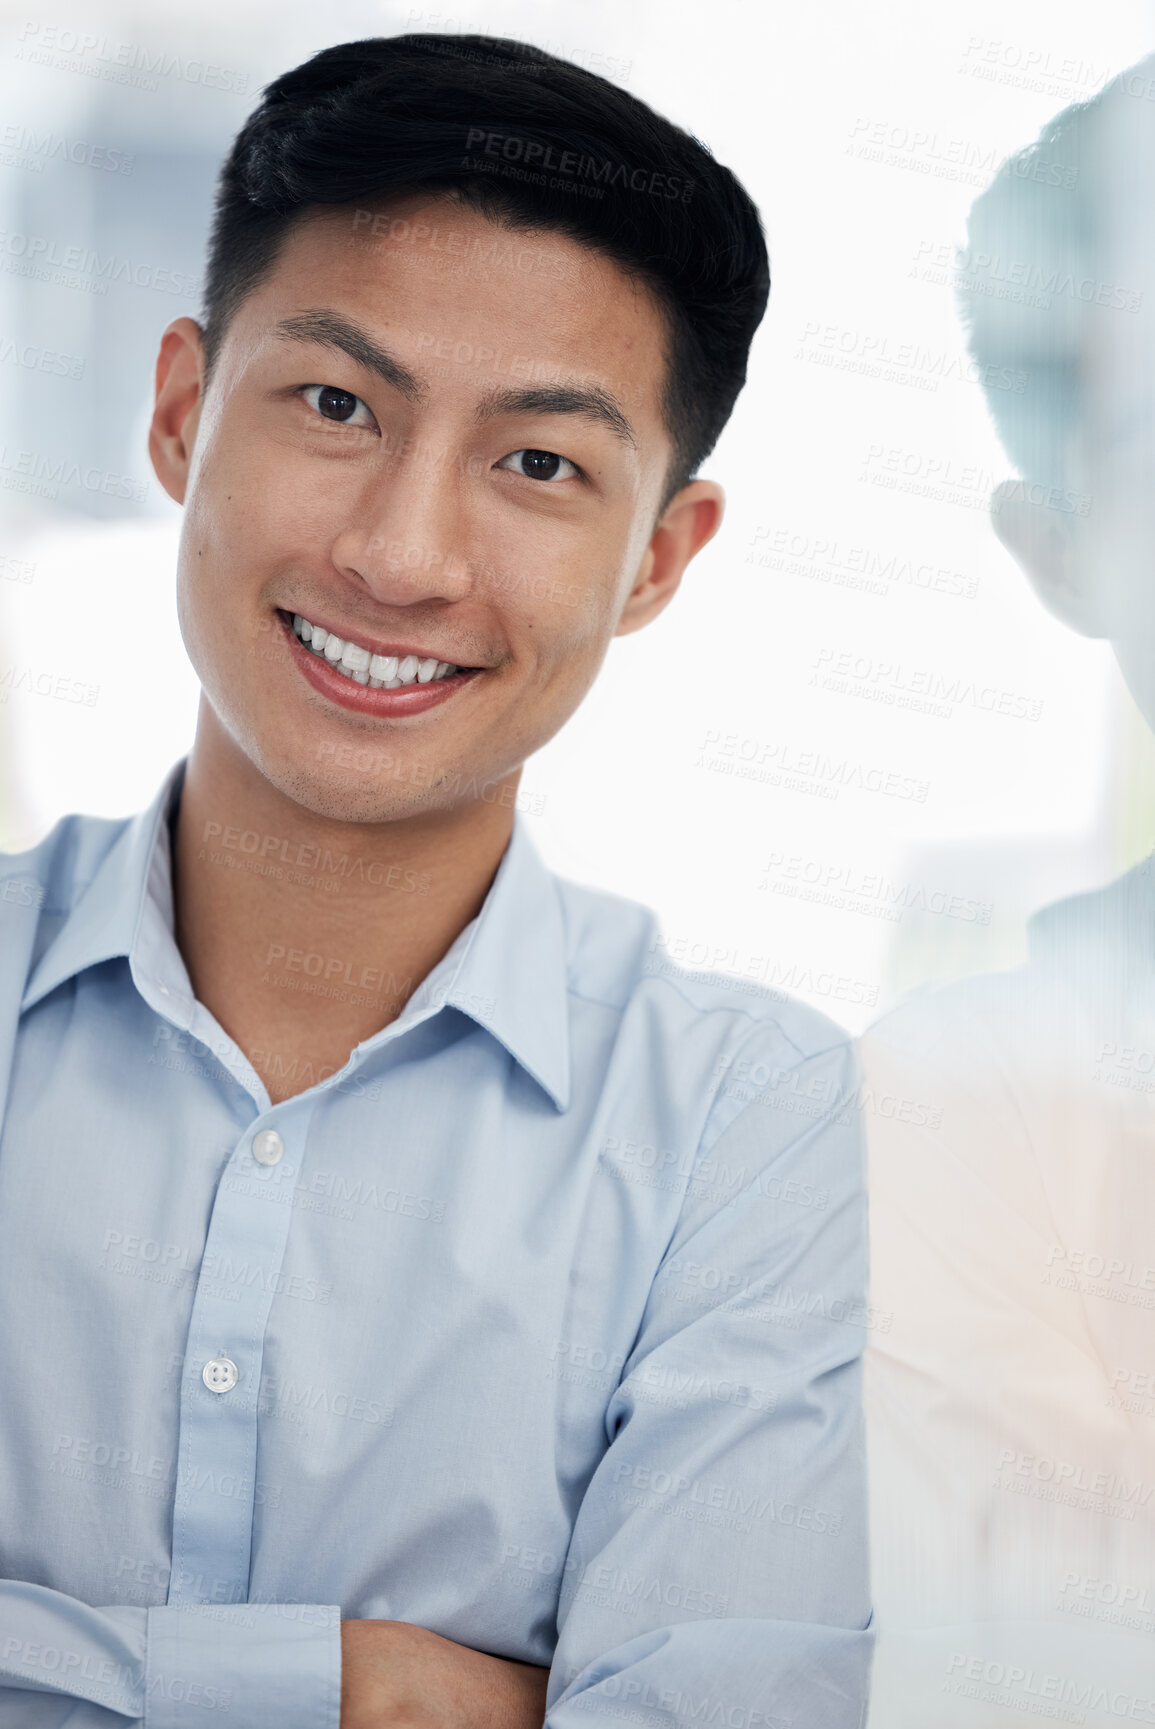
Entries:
{"x":343,"y":796}
{"x":337,"y":794}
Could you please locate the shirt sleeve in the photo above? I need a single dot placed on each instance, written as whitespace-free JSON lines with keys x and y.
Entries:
{"x":67,"y":1665}
{"x":717,"y":1574}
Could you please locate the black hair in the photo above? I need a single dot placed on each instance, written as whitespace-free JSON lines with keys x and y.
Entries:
{"x":533,"y":142}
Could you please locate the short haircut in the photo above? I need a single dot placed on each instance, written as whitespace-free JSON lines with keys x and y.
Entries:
{"x":1046,"y":241}
{"x":490,"y":121}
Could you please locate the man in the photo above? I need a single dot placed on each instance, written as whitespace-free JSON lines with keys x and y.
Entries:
{"x":1012,"y":1402}
{"x":409,"y":1311}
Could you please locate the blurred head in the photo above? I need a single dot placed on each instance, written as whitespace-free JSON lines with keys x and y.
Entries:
{"x":1057,"y":287}
{"x":473,"y":318}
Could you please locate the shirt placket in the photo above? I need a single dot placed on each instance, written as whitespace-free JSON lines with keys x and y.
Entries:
{"x":217,"y":1486}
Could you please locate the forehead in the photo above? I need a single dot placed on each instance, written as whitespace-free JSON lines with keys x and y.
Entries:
{"x":450,"y":289}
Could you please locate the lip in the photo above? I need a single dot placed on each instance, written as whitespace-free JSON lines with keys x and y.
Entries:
{"x":383,"y":704}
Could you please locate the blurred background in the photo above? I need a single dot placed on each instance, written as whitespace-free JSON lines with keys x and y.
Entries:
{"x":856,"y":752}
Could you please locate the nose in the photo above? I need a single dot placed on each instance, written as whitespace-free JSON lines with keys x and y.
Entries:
{"x":407,"y":542}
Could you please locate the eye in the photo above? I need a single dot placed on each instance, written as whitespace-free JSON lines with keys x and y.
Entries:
{"x":336,"y":405}
{"x":540,"y":465}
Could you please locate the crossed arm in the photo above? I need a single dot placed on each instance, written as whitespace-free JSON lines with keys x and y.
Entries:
{"x":716,"y":1570}
{"x":394,"y":1676}
{"x":757,"y":1652}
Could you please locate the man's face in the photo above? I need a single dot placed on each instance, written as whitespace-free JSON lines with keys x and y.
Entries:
{"x":1088,"y":544}
{"x":1115,"y":454}
{"x":401,"y":514}
{"x":1087,"y":541}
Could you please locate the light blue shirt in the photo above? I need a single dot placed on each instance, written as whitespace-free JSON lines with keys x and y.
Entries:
{"x":538,"y":1324}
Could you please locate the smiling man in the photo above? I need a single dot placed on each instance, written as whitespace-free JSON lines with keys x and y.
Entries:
{"x":419,"y":1302}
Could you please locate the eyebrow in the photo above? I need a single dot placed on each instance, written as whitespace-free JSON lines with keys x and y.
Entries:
{"x":593,"y":402}
{"x":332,"y":330}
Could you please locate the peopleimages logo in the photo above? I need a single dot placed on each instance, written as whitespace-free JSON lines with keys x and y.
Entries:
{"x":1030,"y":1690}
{"x":22,"y":146}
{"x":542,"y":159}
{"x":871,"y":892}
{"x":1071,"y":1483}
{"x":34,"y":254}
{"x":130,"y":63}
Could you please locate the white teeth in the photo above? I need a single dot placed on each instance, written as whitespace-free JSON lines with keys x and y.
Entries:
{"x":378,"y":671}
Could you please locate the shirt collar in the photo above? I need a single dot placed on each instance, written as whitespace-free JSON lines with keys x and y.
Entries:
{"x":509,"y":977}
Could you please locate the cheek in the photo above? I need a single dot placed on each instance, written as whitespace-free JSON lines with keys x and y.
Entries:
{"x":223,"y":555}
{"x":569,"y":623}
{"x":215,"y":511}
{"x":238,"y":528}
{"x":580,"y":599}
{"x":566,"y":644}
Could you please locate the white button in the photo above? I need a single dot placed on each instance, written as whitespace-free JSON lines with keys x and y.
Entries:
{"x":268,"y":1147}
{"x":219,"y":1374}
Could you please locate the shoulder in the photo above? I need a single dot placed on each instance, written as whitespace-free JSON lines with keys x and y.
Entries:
{"x":619,"y":957}
{"x":40,"y":886}
{"x":54,"y":873}
{"x":1086,"y":955}
{"x":1099,"y":945}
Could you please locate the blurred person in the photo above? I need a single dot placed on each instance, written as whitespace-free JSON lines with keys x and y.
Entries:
{"x":405,"y":1314}
{"x":1011,"y":1378}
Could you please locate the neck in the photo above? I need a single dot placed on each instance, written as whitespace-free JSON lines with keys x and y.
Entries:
{"x":303,"y":934}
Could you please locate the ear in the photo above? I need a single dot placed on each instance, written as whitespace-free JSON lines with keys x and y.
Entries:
{"x":692,"y":517}
{"x":176,"y":414}
{"x":1045,"y":543}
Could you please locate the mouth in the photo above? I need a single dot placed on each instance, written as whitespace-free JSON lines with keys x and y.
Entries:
{"x":365,"y":666}
{"x":381,"y":679}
